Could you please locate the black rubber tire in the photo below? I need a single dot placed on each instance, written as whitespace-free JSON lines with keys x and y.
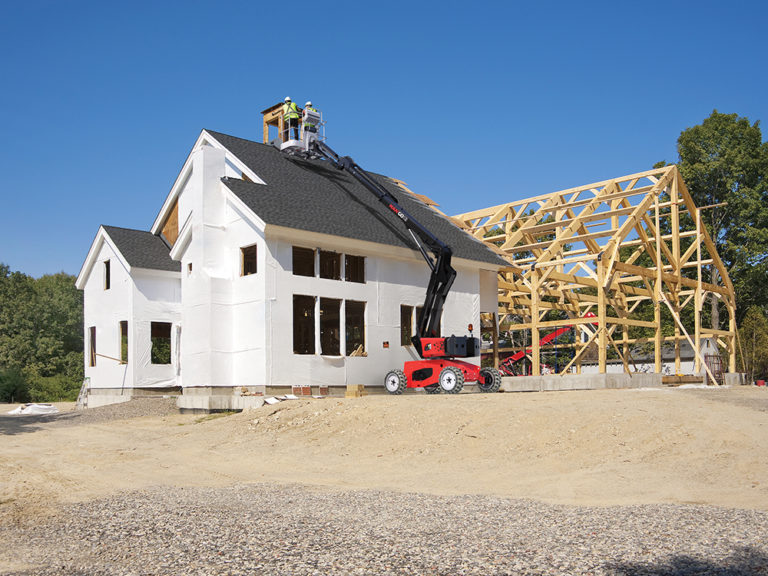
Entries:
{"x":433,"y":389}
{"x":490,"y":380}
{"x":395,"y":382}
{"x":451,"y":380}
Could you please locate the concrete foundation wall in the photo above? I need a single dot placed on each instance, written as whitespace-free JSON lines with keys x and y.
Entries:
{"x":579,"y":382}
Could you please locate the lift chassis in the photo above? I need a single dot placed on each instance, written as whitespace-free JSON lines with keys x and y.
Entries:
{"x":439,"y":369}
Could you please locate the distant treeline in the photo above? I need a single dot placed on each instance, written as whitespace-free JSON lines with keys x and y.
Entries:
{"x":41,"y":337}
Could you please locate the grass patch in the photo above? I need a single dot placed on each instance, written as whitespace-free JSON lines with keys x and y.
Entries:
{"x":214,"y":416}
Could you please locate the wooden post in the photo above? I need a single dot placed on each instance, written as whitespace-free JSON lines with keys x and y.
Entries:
{"x":601,"y":318}
{"x":732,"y":337}
{"x":658,"y":340}
{"x":625,"y":345}
{"x":495,"y":336}
{"x":675,"y":225}
{"x":535,"y":345}
{"x":698,"y":298}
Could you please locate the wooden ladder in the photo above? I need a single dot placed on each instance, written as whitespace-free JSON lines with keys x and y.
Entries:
{"x":82,"y":397}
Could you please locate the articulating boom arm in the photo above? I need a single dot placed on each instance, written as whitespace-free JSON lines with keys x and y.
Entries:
{"x":443,"y":274}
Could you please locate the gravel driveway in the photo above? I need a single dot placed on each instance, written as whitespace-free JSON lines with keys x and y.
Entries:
{"x":268,"y":529}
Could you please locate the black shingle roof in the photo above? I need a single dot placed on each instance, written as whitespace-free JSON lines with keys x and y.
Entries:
{"x":313,"y":195}
{"x":142,"y":249}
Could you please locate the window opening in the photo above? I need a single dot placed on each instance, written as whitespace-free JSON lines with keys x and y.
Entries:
{"x":303,"y":261}
{"x":92,"y":346}
{"x":248,"y":260}
{"x":189,"y":269}
{"x":354,"y":269}
{"x":161,"y":342}
{"x":124,"y":341}
{"x":406,"y":322}
{"x":107,"y":275}
{"x":330,"y":317}
{"x":416,"y":316}
{"x":303,"y":324}
{"x":354,"y":327}
{"x":330,"y":265}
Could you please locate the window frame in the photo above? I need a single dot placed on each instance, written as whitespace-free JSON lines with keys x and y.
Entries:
{"x":329,"y":256}
{"x":246,"y":257}
{"x":311,"y":348}
{"x":152,"y":327}
{"x":107,"y":274}
{"x":350,"y":347}
{"x":92,"y":346}
{"x":403,"y":324}
{"x":299,"y":249}
{"x":123,"y":335}
{"x":347,"y":268}
{"x":326,"y":325}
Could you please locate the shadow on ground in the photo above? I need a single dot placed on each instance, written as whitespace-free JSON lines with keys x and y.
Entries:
{"x":743,"y":562}
{"x":14,"y":424}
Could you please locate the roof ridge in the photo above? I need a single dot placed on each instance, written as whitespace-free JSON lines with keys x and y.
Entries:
{"x":124,"y":228}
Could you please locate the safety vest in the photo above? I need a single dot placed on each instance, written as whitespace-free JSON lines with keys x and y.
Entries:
{"x":313,"y":110}
{"x":290,"y":111}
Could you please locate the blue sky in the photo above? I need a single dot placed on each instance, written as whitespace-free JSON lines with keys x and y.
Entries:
{"x":471,"y":103}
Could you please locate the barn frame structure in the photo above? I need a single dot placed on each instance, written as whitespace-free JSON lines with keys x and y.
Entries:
{"x":597,"y":257}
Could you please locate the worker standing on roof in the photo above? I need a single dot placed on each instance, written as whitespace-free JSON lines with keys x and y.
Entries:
{"x":291,"y":116}
{"x":309,"y":126}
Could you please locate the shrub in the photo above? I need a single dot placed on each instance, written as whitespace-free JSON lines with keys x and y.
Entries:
{"x":56,"y":388}
{"x":13,"y":386}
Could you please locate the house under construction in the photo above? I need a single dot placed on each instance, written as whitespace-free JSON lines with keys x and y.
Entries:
{"x":626,"y":263}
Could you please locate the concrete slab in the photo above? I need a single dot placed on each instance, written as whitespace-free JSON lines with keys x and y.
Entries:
{"x":551,"y":383}
{"x":218,"y":403}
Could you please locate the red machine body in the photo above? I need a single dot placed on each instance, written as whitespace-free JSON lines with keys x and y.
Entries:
{"x":422,"y":373}
{"x":432,"y":348}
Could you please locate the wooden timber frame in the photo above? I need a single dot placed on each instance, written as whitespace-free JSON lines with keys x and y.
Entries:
{"x":273,"y":116}
{"x":606,"y":249}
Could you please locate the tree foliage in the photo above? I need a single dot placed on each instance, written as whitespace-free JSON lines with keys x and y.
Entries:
{"x":41,"y":333}
{"x":724,"y":163}
{"x":13,"y":386}
{"x":753,"y":334}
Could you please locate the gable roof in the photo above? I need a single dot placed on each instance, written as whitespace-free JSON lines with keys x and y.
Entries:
{"x":313,"y":195}
{"x":142,"y":249}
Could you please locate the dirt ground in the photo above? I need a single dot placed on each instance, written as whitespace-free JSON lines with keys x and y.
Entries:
{"x":607,"y":447}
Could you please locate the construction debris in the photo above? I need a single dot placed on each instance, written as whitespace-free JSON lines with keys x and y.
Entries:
{"x":34,"y":410}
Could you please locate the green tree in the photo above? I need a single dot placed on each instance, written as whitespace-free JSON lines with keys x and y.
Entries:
{"x":41,"y":334}
{"x":17,"y":319}
{"x":754,"y":344}
{"x":724,"y":163}
{"x":59,"y":326}
{"x":13,"y":386}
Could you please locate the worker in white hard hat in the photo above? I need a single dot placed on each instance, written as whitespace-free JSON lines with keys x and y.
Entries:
{"x":291,"y":119}
{"x":308,"y":125}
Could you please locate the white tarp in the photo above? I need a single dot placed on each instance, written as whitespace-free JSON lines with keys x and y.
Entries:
{"x":34,"y":409}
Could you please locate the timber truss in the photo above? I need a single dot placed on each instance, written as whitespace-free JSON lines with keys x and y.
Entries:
{"x":627,"y":262}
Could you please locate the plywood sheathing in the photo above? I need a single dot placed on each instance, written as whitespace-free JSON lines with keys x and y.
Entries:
{"x":171,"y":227}
{"x":606,"y":248}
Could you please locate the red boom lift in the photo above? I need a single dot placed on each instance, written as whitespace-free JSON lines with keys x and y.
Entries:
{"x":508,"y":364}
{"x":439,"y":370}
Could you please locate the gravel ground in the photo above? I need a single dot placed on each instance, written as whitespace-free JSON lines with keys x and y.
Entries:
{"x":268,"y":529}
{"x":136,"y":408}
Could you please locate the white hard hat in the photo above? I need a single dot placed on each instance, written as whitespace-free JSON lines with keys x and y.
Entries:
{"x":308,"y":103}
{"x":287,"y":98}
